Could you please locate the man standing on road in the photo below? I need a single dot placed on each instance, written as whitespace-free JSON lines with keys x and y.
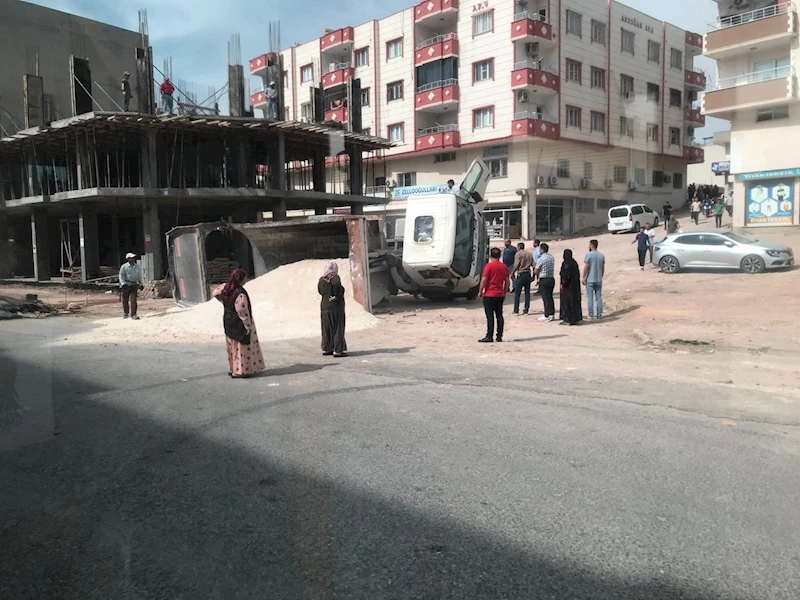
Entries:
{"x":667,"y":209}
{"x":545,"y":270}
{"x":642,"y":242}
{"x":523,"y":271}
{"x":651,"y":233}
{"x":509,"y":252}
{"x":729,"y":203}
{"x":493,"y":289}
{"x":594,"y":267}
{"x":673,"y":225}
{"x":719,"y":210}
{"x":537,"y":254}
{"x":130,"y":282}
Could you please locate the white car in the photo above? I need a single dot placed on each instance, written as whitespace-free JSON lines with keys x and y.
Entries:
{"x":630,"y":217}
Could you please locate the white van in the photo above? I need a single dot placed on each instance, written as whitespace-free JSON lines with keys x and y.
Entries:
{"x":630,"y":217}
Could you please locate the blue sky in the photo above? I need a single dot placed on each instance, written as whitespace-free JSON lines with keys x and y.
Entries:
{"x":195,"y":32}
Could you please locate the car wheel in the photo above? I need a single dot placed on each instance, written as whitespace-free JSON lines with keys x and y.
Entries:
{"x":752,"y":264}
{"x":636,"y":227}
{"x":655,"y":223}
{"x":669,"y":265}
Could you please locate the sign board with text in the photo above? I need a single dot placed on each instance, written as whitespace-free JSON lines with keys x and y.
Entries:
{"x":770,"y":202}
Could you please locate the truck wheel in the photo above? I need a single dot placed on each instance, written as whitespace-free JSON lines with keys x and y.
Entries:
{"x":472,"y":295}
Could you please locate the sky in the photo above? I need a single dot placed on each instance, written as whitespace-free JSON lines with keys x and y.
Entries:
{"x":195,"y":32}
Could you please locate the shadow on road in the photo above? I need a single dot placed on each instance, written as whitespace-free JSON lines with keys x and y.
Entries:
{"x":540,"y":338}
{"x":377,"y":351}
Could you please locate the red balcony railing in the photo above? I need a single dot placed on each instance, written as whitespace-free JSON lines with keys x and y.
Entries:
{"x":334,"y":39}
{"x":437,"y":138}
{"x":530,"y":26}
{"x":436,"y":48}
{"x":440,"y":94}
{"x":428,"y":9}
{"x":536,"y":125}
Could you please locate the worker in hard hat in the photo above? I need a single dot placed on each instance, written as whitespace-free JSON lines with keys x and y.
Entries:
{"x":127,"y":94}
{"x":272,"y":101}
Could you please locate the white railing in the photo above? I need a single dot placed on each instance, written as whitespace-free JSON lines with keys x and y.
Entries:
{"x":436,"y":85}
{"x":378,"y":191}
{"x":332,"y":67}
{"x":437,"y":39}
{"x":437,"y":129}
{"x":535,"y":64}
{"x":694,"y":69}
{"x":535,"y":16}
{"x":755,"y":77}
{"x":527,"y":114}
{"x":754,"y":15}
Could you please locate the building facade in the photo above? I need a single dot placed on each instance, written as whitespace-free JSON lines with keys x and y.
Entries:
{"x":576,"y":105}
{"x":715,"y":170}
{"x":755,"y":44}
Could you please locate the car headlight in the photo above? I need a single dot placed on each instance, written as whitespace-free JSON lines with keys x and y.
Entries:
{"x":774,"y":253}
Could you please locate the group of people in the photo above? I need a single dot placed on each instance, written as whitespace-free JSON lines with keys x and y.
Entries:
{"x":520,"y":268}
{"x":166,"y":88}
{"x":717,"y":206}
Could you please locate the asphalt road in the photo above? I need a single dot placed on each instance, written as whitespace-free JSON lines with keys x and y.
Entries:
{"x":145,"y":472}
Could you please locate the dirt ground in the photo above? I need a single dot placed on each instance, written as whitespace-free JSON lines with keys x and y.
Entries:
{"x":723,"y":327}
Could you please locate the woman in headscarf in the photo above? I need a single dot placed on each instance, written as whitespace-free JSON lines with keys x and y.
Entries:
{"x":570,"y":291}
{"x":244,"y":352}
{"x":332,"y":311}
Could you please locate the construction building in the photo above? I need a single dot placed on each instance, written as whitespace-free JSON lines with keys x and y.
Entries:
{"x":755,"y":44}
{"x":577,"y":105}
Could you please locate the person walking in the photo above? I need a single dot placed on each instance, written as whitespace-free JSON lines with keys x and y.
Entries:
{"x":651,"y":234}
{"x":127,"y":94}
{"x":493,"y":290}
{"x":707,"y":207}
{"x":332,"y":312}
{"x":695,"y":209}
{"x":673,"y":225}
{"x":241,"y":338}
{"x":545,"y":271}
{"x":719,"y":211}
{"x":570,"y":298}
{"x":594,"y":268}
{"x":667,"y":212}
{"x":130,"y":282}
{"x":642,"y":242}
{"x":729,"y":203}
{"x":522,"y":276}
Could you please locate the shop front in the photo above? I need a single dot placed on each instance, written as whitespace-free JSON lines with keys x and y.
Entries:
{"x":769,"y":198}
{"x":504,"y":222}
{"x":553,"y":217}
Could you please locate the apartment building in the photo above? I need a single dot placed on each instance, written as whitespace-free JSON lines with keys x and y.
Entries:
{"x":755,"y":44}
{"x":576,"y":105}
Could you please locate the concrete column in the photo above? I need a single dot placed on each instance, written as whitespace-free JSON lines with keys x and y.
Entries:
{"x":321,"y":210}
{"x":356,"y":209}
{"x":279,"y":210}
{"x":115,"y":253}
{"x":356,"y":171}
{"x":277,"y":164}
{"x":6,"y":258}
{"x":90,"y":243}
{"x":246,"y":167}
{"x":41,"y":246}
{"x":153,"y":242}
{"x":526,"y":215}
{"x":318,"y":172}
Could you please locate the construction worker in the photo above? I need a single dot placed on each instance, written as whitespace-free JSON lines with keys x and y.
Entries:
{"x":272,"y":101}
{"x":130,"y":284}
{"x":126,"y":91}
{"x":167,"y":89}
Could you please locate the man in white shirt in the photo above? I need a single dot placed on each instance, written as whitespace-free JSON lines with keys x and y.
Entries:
{"x":651,"y":233}
{"x":130,"y":282}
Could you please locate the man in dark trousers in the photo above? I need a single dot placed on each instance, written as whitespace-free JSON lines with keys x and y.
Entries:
{"x":493,"y":289}
{"x":522,"y":276}
{"x":667,"y":209}
{"x":509,"y":252}
{"x":546,"y":271}
{"x":130,"y":282}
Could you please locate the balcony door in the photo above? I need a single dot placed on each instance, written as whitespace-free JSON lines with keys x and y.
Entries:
{"x":772,"y":69}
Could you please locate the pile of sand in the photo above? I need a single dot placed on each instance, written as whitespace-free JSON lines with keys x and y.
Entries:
{"x":285,"y":305}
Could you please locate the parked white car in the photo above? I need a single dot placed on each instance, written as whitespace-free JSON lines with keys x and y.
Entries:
{"x":630,"y":217}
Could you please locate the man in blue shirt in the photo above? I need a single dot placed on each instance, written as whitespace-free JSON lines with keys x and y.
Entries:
{"x":642,"y":242}
{"x":594,"y":267}
{"x":509,"y":253}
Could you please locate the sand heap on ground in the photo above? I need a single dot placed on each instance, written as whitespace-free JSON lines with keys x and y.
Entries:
{"x":285,"y":305}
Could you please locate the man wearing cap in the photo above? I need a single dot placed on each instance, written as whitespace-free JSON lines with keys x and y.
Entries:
{"x":272,"y":101}
{"x":126,"y":91}
{"x":130,"y":282}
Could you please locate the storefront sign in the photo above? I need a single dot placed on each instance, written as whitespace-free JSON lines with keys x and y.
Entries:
{"x":721,"y":167}
{"x":770,"y":202}
{"x":768,"y":174}
{"x":402,"y":193}
{"x":636,"y":23}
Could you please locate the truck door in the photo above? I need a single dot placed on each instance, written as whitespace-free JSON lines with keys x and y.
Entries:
{"x":473,"y":186}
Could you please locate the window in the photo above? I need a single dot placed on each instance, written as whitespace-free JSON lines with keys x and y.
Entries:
{"x":626,"y":86}
{"x":306,"y":73}
{"x":584,"y":205}
{"x":652,"y":132}
{"x":573,"y":71}
{"x":362,"y":57}
{"x":653,"y":93}
{"x":396,"y":133}
{"x":562,"y":168}
{"x":628,"y":41}
{"x":286,"y":80}
{"x":772,"y":69}
{"x":637,"y":210}
{"x":394,"y":49}
{"x":483,"y":23}
{"x":620,"y":174}
{"x":675,"y":97}
{"x":394,"y":91}
{"x":306,"y":112}
{"x":606,"y":204}
{"x":658,"y":178}
{"x":483,"y":117}
{"x":639,"y":176}
{"x":598,"y":78}
{"x":573,"y":117}
{"x":598,"y":121}
{"x":495,"y":151}
{"x":588,"y":171}
{"x":574,"y":23}
{"x":653,"y":52}
{"x":406,"y":179}
{"x":423,"y":230}
{"x":598,"y":32}
{"x":677,"y":181}
{"x":626,"y":127}
{"x":676,"y":59}
{"x":770,"y":114}
{"x":366,"y":131}
{"x":365,"y":97}
{"x":483,"y":70}
{"x":444,"y":157}
{"x":498,"y":167}
{"x":674,"y":136}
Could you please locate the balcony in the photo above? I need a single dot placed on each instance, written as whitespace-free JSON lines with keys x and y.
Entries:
{"x":338,"y":115}
{"x":430,"y":12}
{"x":337,"y":74}
{"x":694,"y":79}
{"x":437,"y":97}
{"x":534,"y":76}
{"x":694,"y":155}
{"x":694,"y":116}
{"x":438,"y":138}
{"x":258,"y":66}
{"x":761,"y":89}
{"x":258,"y":100}
{"x":534,"y":124}
{"x":529,"y":27}
{"x":436,"y":48}
{"x":768,"y":27}
{"x":334,"y":40}
{"x":694,"y":40}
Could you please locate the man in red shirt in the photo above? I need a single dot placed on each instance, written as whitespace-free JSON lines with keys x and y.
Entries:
{"x":494,"y":286}
{"x":167,"y":89}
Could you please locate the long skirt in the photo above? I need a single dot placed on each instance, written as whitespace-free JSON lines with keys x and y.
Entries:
{"x":245,"y":360}
{"x":333,"y":331}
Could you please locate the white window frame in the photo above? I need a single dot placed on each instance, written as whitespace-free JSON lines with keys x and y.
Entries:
{"x":653,"y":52}
{"x":576,"y":66}
{"x":574,"y":117}
{"x":365,"y":92}
{"x":574,"y":23}
{"x":306,"y":111}
{"x":620,"y":174}
{"x":599,"y":27}
{"x":389,"y":87}
{"x":628,"y":36}
{"x":676,"y":59}
{"x":675,"y":134}
{"x":601,"y":75}
{"x":483,"y":23}
{"x":362,"y":52}
{"x":483,"y":71}
{"x":498,"y":167}
{"x":562,"y":168}
{"x":652,"y":132}
{"x":394,"y":49}
{"x":640,"y":176}
{"x":588,"y":171}
{"x":627,"y":130}
{"x":599,"y":117}
{"x":623,"y":85}
{"x":407,"y":179}
{"x":483,"y":118}
{"x":306,"y":70}
{"x":397,"y":128}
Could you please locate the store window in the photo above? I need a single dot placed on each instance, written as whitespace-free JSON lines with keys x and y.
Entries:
{"x":553,"y":217}
{"x":502,"y":223}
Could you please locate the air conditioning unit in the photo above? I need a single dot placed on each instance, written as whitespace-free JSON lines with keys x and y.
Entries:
{"x":522,"y":96}
{"x":540,"y":180}
{"x":667,"y":178}
{"x":553,"y":181}
{"x":609,"y":183}
{"x":629,"y":96}
{"x":585,"y":183}
{"x":532,"y":49}
{"x":631,"y":185}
